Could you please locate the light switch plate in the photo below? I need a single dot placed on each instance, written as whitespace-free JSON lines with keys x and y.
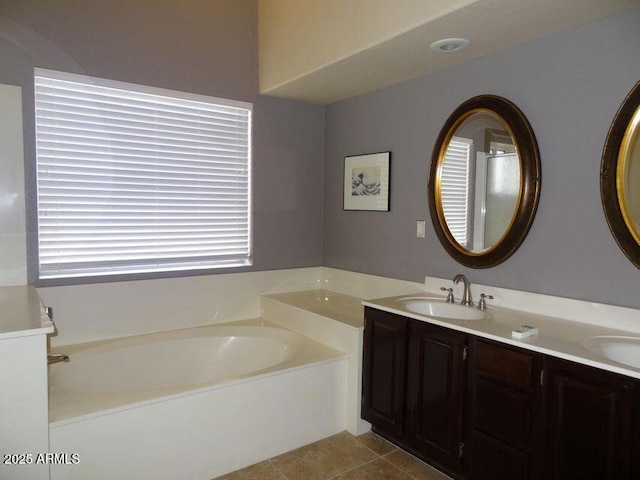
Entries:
{"x":420,"y":227}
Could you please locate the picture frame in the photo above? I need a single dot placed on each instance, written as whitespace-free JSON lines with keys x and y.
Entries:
{"x":366,"y":182}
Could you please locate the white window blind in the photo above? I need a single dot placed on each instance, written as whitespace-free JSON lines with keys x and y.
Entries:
{"x":455,"y":188}
{"x":137,"y":179}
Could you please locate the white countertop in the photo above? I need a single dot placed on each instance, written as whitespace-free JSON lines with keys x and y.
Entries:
{"x":22,"y":313}
{"x":557,"y":337}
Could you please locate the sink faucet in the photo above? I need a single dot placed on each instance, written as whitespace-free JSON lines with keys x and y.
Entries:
{"x":466,"y":295}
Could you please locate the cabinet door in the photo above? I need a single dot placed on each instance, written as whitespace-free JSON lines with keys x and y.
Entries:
{"x":383,"y":370}
{"x":504,"y":411}
{"x":435,"y":390}
{"x":588,"y":422}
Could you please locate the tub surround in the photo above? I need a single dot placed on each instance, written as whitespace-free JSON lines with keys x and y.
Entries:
{"x":96,"y":312}
{"x":362,"y":285}
{"x":92,"y":312}
{"x":23,"y":376}
{"x":318,"y":302}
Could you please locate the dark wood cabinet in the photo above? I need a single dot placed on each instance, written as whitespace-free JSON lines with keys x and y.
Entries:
{"x":635,"y":429}
{"x":588,"y":413}
{"x":504,"y":421}
{"x":384,"y":370}
{"x":479,"y":409}
{"x":434,"y":393}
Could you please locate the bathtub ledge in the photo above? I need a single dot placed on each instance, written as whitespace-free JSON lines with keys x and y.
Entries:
{"x":339,"y":307}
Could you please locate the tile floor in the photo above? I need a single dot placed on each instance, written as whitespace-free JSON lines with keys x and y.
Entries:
{"x":343,"y":457}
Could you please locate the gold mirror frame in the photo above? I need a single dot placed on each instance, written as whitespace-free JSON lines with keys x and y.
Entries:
{"x":624,"y":128}
{"x":525,"y":209}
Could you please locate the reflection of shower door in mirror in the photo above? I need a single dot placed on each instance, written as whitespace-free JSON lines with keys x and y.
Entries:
{"x":496,"y":195}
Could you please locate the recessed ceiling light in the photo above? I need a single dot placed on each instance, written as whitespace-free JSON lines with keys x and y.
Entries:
{"x":448,"y":45}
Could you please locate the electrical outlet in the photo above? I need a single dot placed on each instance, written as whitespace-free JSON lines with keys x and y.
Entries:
{"x":420,"y":227}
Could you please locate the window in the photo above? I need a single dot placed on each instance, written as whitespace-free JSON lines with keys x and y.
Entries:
{"x":137,"y":179}
{"x":455,"y":188}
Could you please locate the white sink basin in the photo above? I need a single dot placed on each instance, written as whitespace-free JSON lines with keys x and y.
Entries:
{"x":625,"y":350}
{"x":432,"y":307}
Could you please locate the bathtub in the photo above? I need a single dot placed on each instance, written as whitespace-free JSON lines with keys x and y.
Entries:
{"x":193,"y":403}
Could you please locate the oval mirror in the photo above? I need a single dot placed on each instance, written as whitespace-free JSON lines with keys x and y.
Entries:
{"x":484,"y":181}
{"x":620,"y":176}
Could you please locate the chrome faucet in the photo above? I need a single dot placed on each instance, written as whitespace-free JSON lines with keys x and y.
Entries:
{"x":466,"y":294}
{"x":56,"y":358}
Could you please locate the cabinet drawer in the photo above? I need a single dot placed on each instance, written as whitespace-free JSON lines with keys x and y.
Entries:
{"x":503,"y":364}
{"x":503,"y":412}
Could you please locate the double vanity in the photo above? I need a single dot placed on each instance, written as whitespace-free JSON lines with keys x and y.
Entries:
{"x":510,"y":390}
{"x":457,"y":386}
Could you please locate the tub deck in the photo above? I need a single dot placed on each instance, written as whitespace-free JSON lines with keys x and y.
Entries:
{"x":342,"y":308}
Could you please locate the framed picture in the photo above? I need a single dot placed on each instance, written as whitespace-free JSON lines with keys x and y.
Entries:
{"x":366,"y":182}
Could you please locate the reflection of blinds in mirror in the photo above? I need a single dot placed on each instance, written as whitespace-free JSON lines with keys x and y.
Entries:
{"x":454,"y":188}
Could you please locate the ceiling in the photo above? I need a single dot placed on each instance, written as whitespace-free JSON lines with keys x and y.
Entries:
{"x":326,"y":51}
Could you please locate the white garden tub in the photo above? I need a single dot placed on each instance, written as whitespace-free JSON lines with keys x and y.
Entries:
{"x":193,"y":403}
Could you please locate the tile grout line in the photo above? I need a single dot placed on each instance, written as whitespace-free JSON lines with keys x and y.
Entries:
{"x":398,"y":467}
{"x":355,"y":468}
{"x":371,"y":450}
{"x":396,"y":449}
{"x":377,"y":456}
{"x":277,"y":469}
{"x":440,"y":474}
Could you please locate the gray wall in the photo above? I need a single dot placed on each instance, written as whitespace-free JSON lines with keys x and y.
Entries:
{"x":569,"y":86}
{"x":201,"y":46}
